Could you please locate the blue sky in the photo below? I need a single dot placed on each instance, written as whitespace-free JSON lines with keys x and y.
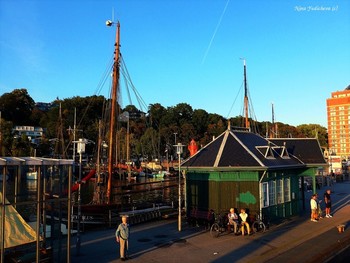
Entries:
{"x":185,"y":51}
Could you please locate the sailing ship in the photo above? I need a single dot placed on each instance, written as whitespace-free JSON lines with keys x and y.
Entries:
{"x":104,"y":208}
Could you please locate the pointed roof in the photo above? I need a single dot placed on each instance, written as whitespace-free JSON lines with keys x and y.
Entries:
{"x":240,"y":148}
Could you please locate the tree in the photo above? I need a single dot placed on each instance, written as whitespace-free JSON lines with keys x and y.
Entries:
{"x":288,"y":131}
{"x":7,"y":138}
{"x":36,"y":116}
{"x":200,"y":121}
{"x":156,"y":112}
{"x":169,"y":118}
{"x":314,"y":131}
{"x":150,"y":134}
{"x":21,"y":146}
{"x":17,"y":107}
{"x":149,"y":142}
{"x":183,"y":113}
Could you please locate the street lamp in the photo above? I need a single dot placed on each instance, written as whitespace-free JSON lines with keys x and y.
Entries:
{"x":175,"y":133}
{"x":175,"y":137}
{"x":179,"y":151}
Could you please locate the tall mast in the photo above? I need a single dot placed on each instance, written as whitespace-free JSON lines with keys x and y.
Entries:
{"x":274,"y":132}
{"x":0,"y":135}
{"x":59,"y":146}
{"x":97,"y":199}
{"x":273,"y":123}
{"x":113,"y":110}
{"x":74,"y":130}
{"x":246,"y":103}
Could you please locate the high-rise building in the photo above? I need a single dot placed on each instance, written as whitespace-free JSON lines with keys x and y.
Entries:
{"x":338,"y":116}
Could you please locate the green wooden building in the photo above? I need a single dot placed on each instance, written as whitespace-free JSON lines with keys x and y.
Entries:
{"x":241,"y":169}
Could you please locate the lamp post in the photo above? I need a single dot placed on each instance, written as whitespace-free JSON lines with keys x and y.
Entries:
{"x":175,"y":137}
{"x":175,"y":133}
{"x":81,"y":149}
{"x":179,"y":150}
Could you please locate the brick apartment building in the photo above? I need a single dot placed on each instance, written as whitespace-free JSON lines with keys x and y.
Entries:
{"x":338,"y":117}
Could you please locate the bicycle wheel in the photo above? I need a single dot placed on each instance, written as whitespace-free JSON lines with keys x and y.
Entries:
{"x":215,"y":230}
{"x":259,"y":227}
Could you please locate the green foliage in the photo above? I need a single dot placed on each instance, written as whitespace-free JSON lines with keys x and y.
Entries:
{"x":151,"y":136}
{"x":21,"y":146}
{"x":17,"y":107}
{"x":7,"y":138}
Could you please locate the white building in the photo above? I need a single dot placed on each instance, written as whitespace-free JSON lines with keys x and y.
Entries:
{"x":33,"y":133}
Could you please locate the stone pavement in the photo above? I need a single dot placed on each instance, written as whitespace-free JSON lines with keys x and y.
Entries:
{"x":295,"y":240}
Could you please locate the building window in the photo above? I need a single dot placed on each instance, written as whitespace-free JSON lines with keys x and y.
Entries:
{"x":272,"y":193}
{"x":279,"y":191}
{"x":265,"y":197}
{"x":275,"y":192}
{"x":286,"y":188}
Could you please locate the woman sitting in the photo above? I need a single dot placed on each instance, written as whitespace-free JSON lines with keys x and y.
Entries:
{"x":244,"y":217}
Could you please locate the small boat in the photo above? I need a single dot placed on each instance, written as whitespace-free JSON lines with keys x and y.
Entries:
{"x":159,"y":174}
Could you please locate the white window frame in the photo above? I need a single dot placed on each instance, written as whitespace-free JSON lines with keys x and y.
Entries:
{"x":275,"y":192}
{"x":286,"y":189}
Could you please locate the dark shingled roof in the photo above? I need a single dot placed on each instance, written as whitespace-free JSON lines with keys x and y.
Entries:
{"x":307,"y":150}
{"x":240,"y":148}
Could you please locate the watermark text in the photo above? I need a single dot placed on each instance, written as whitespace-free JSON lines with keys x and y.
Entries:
{"x":316,"y":8}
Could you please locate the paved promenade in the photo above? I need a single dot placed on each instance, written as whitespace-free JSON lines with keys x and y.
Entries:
{"x":296,"y":240}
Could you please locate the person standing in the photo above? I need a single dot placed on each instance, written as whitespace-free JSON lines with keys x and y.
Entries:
{"x":313,"y":206}
{"x":328,"y":203}
{"x":319,"y":209}
{"x":122,"y":237}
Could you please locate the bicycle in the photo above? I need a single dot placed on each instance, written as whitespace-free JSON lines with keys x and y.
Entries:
{"x":258,"y":225}
{"x":219,"y":225}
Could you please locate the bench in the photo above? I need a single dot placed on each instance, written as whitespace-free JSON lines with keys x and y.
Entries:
{"x":201,"y":218}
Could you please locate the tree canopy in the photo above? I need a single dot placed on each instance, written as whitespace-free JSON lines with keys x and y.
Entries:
{"x":152,"y":134}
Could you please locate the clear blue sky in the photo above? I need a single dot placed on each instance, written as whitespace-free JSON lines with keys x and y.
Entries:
{"x":183,"y":51}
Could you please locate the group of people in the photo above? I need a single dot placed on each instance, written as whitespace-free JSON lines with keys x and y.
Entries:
{"x":315,"y":204}
{"x":235,"y":220}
